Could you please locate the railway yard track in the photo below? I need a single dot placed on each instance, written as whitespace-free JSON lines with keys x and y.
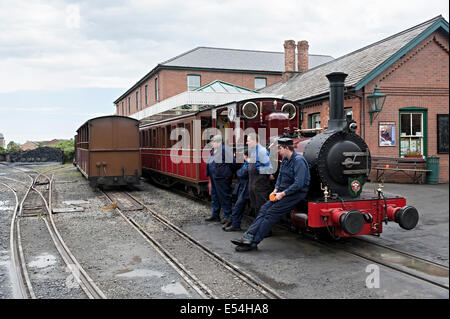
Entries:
{"x":211,"y":273}
{"x":204,"y":285}
{"x":34,"y":203}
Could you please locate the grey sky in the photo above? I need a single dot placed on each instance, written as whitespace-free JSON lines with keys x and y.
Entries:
{"x":59,"y":46}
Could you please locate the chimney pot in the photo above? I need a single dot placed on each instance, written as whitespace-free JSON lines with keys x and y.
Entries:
{"x":303,"y":55}
{"x":289,"y":56}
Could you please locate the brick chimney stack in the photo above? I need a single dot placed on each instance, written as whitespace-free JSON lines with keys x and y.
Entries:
{"x":289,"y":60}
{"x":302,"y":51}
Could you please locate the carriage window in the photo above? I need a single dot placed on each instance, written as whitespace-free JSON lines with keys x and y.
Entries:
{"x":154,"y":137}
{"x":147,"y":138}
{"x":168,"y":131}
{"x":129,"y":105}
{"x":189,"y":134}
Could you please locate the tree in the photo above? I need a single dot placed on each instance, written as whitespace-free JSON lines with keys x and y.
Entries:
{"x":13,"y":147}
{"x":67,"y":147}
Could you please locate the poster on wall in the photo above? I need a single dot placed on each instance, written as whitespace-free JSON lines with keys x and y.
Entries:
{"x":386,"y":132}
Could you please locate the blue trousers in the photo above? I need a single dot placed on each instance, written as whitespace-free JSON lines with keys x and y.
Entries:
{"x":269,"y":214}
{"x":221,"y":197}
{"x":238,"y":210}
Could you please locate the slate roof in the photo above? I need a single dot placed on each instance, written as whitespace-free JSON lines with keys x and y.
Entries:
{"x":248,"y":60}
{"x":227,"y":59}
{"x":359,"y":65}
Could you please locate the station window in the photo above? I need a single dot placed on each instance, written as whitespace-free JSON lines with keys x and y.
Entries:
{"x":193,"y":81}
{"x":412,"y":134}
{"x":348,"y":112}
{"x":260,"y":83}
{"x":146,"y":95}
{"x":156,"y":89}
{"x":314,"y":120}
{"x":137,"y":100}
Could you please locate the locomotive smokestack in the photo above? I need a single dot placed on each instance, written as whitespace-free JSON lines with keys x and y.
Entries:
{"x":337,"y":120}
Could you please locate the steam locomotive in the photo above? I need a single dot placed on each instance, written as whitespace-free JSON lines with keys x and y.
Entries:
{"x":340,"y":164}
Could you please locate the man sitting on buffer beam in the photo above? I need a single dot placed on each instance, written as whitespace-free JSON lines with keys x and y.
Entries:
{"x":291,"y":187}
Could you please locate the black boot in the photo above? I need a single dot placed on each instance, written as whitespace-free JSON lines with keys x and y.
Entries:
{"x":212,"y":218}
{"x":232,"y":228}
{"x":246,"y":248}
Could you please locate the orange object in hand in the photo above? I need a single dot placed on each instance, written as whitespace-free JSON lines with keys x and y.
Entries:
{"x":272,"y":197}
{"x":387,"y":166}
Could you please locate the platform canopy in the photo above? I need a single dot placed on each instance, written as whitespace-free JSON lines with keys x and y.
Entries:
{"x":211,"y":94}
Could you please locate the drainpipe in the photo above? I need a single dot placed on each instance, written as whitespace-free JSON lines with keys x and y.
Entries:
{"x":362,"y":125}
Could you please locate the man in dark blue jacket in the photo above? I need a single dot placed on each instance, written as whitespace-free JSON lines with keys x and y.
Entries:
{"x":220,"y":169}
{"x":241,"y":190}
{"x":291,"y":187}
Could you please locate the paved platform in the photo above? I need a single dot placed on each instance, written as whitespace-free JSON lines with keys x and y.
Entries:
{"x":430,"y":238}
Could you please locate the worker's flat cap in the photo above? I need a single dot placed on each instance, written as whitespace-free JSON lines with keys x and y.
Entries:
{"x":285,"y":141}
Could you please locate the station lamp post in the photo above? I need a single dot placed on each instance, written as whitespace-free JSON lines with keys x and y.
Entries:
{"x":376,"y":101}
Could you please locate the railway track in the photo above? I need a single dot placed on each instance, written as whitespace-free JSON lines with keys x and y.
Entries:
{"x":404,"y":262}
{"x":201,"y":287}
{"x":22,"y":279}
{"x":409,"y":264}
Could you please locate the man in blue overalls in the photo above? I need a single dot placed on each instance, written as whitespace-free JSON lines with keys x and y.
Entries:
{"x":241,"y":190}
{"x":291,"y":187}
{"x":220,"y":169}
{"x":259,"y":172}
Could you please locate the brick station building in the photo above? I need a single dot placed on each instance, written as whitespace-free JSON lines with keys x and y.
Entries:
{"x":193,"y":69}
{"x":412,"y":69}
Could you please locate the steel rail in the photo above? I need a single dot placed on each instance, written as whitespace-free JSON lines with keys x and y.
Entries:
{"x":80,"y":275}
{"x":244,"y":276}
{"x":412,"y":257}
{"x":396,"y":268}
{"x":190,"y":278}
{"x":24,"y":287}
{"x":402,"y":252}
{"x":85,"y":281}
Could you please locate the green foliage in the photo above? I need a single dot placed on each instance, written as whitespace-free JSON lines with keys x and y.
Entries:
{"x":67,"y":147}
{"x":13,"y":147}
{"x":2,"y":149}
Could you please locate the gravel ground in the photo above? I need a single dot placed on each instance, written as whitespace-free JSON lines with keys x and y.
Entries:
{"x":125,"y":266}
{"x":49,"y":275}
{"x":219,"y":280}
{"x":295,"y":266}
{"x":7,"y":203}
{"x":115,"y":256}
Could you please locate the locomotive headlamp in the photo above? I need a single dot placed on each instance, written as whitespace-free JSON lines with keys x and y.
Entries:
{"x":376,"y":101}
